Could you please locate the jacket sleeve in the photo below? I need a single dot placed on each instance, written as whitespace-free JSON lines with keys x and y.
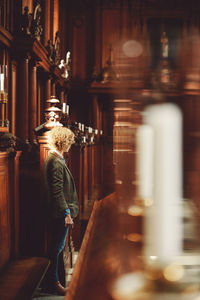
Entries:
{"x":56,"y":187}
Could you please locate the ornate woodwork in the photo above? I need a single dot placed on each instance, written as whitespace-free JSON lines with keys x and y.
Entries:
{"x":9,"y":206}
{"x":5,"y":210}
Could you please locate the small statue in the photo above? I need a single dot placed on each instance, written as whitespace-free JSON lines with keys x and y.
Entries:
{"x":164,"y":42}
{"x":63,"y":68}
{"x":68,"y":58}
{"x":66,"y":66}
{"x":57,"y":48}
{"x":50,"y":50}
{"x":26,"y":21}
{"x":62,"y":64}
{"x":36,"y":27}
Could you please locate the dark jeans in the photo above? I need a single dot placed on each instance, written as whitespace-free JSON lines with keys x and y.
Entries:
{"x":58,"y":233}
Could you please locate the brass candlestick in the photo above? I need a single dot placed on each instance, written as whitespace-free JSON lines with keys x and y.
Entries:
{"x":52,"y":114}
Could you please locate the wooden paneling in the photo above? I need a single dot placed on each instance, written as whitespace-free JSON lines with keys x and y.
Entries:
{"x":79,"y":47}
{"x":110,"y":34}
{"x":5,"y":216}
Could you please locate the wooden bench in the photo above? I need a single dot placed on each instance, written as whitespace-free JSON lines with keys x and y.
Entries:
{"x":21,"y":278}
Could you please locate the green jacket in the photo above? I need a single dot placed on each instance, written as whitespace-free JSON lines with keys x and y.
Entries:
{"x":60,"y":188}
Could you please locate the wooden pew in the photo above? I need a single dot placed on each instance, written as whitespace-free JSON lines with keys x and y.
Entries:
{"x":105,"y":253}
{"x":22,"y":277}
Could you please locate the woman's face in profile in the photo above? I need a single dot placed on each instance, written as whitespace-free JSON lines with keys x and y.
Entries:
{"x":66,"y":148}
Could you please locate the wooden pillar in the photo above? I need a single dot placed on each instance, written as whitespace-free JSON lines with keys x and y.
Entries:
{"x":124,"y":24}
{"x":75,"y":165}
{"x":95,"y":111}
{"x":79,"y":48}
{"x":55,"y":17}
{"x":96,"y":115}
{"x":62,"y":96}
{"x":47,"y":27}
{"x":13,"y":97}
{"x":53,"y":88}
{"x":98,"y":40}
{"x":48,"y":88}
{"x":91,"y":174}
{"x":32,"y":99}
{"x":39,"y":111}
{"x":22,"y":104}
{"x":85,"y":178}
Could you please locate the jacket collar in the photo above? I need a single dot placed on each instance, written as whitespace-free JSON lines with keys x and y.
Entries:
{"x":56,"y":153}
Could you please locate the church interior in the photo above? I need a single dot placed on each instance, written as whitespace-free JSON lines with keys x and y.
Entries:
{"x":124,"y":76}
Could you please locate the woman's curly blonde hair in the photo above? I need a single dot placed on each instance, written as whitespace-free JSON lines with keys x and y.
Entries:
{"x":60,"y":137}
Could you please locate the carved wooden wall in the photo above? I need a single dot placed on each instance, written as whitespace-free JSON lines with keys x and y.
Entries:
{"x":88,"y":29}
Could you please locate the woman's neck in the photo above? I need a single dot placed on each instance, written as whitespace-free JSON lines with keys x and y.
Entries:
{"x":59,"y":152}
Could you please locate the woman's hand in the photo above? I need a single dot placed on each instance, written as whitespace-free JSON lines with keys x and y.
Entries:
{"x":68,"y":220}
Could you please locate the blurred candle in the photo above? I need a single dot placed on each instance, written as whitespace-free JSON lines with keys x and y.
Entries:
{"x":65,"y":108}
{"x":144,"y":161}
{"x":163,"y":223}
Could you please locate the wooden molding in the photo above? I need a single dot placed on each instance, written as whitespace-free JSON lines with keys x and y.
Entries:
{"x":5,"y":37}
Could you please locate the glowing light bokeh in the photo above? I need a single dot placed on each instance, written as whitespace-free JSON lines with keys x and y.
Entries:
{"x":135,"y":210}
{"x":173,"y":272}
{"x":127,"y":285}
{"x":132,"y":48}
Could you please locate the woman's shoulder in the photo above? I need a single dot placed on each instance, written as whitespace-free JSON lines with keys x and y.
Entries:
{"x":52,"y":158}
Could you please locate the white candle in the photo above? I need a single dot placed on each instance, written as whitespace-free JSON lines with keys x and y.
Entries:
{"x":64,"y":108}
{"x":144,"y":161}
{"x":67,"y":109}
{"x":2,"y":82}
{"x":162,"y":227}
